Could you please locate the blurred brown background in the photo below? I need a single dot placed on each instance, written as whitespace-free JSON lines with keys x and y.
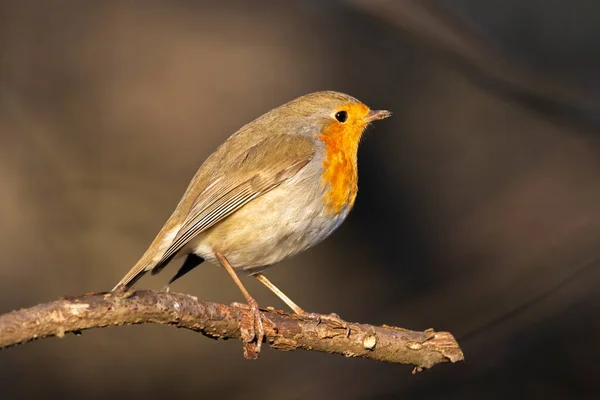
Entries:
{"x":479,"y":204}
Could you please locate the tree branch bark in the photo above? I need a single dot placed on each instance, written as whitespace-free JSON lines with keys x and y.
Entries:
{"x":283,"y":331}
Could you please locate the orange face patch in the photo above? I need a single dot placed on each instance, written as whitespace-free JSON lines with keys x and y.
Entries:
{"x":340,"y":170}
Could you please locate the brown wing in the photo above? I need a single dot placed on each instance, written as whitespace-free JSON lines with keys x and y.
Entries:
{"x":262,"y":168}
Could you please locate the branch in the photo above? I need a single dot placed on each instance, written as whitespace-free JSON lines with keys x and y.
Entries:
{"x":283,"y":331}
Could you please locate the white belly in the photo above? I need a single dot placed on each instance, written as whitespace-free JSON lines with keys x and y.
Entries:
{"x":283,"y":222}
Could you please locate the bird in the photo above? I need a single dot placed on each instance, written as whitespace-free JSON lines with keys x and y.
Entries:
{"x":276,"y":187}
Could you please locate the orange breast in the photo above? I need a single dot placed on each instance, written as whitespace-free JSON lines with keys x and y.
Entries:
{"x":341,"y":177}
{"x":340,"y":170}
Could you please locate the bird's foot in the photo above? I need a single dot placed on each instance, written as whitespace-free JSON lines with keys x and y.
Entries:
{"x":252,"y":329}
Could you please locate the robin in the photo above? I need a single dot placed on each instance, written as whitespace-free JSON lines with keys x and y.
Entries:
{"x":279,"y":185}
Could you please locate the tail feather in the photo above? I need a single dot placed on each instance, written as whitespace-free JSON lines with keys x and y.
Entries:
{"x":134,"y":274}
{"x":191,"y":262}
{"x":148,"y":260}
{"x":161,"y":264}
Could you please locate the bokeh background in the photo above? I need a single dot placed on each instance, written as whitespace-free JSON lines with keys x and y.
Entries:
{"x":478,"y":211}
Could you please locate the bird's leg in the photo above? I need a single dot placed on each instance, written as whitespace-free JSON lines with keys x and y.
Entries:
{"x":257,"y":330}
{"x":296,"y":308}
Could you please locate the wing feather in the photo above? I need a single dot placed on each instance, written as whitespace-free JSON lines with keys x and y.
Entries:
{"x":264,"y":167}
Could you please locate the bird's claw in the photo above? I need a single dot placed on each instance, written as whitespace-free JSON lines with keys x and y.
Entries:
{"x":254,"y":334}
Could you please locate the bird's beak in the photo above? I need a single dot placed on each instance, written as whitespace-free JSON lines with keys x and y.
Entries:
{"x":375,"y":115}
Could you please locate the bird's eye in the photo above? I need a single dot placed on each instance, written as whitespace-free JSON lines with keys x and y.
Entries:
{"x":341,"y":116}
